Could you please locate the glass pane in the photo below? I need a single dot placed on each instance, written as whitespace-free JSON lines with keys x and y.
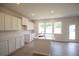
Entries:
{"x":57,"y":27}
{"x":45,"y":29}
{"x":48,"y":33}
{"x":41,"y":27}
{"x":48,"y":27}
{"x":72,"y":32}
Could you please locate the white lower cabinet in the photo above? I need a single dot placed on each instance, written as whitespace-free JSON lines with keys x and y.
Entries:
{"x":21,"y":41}
{"x":17,"y":43}
{"x":11,"y":45}
{"x":3,"y":48}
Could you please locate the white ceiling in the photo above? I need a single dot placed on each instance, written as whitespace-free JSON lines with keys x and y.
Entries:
{"x":42,"y":10}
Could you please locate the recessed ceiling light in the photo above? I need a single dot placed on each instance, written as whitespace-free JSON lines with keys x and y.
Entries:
{"x":33,"y":14}
{"x":18,"y":3}
{"x":51,"y":11}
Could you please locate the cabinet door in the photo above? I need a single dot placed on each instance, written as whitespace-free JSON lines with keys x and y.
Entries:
{"x":21,"y":41}
{"x":11,"y":45}
{"x":19,"y":24}
{"x":1,"y":21}
{"x":3,"y":48}
{"x":14,"y":23}
{"x":8,"y":22}
{"x":17,"y":42}
{"x":24,"y":21}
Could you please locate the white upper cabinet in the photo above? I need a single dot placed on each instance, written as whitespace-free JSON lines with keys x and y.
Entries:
{"x":11,"y":23}
{"x":24,"y":21}
{"x":14,"y":23}
{"x":27,"y":23}
{"x":8,"y":22}
{"x":19,"y":24}
{"x":1,"y":21}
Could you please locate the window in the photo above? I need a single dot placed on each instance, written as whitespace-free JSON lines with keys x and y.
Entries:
{"x":48,"y":31}
{"x":57,"y":28}
{"x":41,"y":27}
{"x":72,"y":32}
{"x":48,"y":27}
{"x":45,"y":29}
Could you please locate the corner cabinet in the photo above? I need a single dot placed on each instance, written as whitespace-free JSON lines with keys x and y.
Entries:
{"x":9,"y":22}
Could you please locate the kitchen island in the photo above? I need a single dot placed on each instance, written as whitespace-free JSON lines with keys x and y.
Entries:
{"x":41,"y":46}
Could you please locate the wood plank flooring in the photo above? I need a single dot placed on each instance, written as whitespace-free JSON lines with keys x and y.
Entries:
{"x":56,"y":49}
{"x":64,"y":49}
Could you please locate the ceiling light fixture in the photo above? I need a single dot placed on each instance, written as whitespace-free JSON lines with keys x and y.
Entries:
{"x":51,"y":11}
{"x":18,"y":3}
{"x":33,"y":14}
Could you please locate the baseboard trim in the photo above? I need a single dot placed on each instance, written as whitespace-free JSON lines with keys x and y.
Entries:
{"x":66,"y":41}
{"x":40,"y":53}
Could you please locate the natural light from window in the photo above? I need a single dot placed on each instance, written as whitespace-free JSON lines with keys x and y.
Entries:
{"x":72,"y":32}
{"x":57,"y":27}
{"x":45,"y":29}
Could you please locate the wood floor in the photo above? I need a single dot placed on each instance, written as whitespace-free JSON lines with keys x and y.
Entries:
{"x":64,"y":49}
{"x":56,"y":49}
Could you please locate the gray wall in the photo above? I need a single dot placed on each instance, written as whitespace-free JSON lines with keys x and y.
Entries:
{"x":65,"y":27}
